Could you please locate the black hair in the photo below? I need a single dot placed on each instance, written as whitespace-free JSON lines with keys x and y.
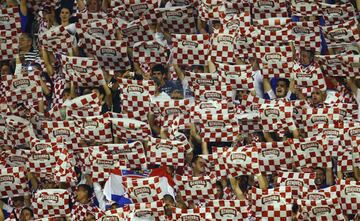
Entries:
{"x":195,"y":158}
{"x":320,"y":168}
{"x":28,"y":209}
{"x":169,"y":197}
{"x":87,"y":188}
{"x":66,"y":90}
{"x":284,"y":79}
{"x":160,"y":68}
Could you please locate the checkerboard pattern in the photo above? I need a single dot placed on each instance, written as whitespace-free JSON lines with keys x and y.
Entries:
{"x":242,"y":160}
{"x":306,"y":9}
{"x":51,"y":202}
{"x":22,"y":88}
{"x":57,"y":40}
{"x":84,"y":101}
{"x":275,"y":61}
{"x":274,"y":36}
{"x":111,"y":54}
{"x":90,"y":17}
{"x":269,"y":9}
{"x":18,"y":131}
{"x":149,"y":52}
{"x":14,"y":158}
{"x":84,"y":71}
{"x":133,"y":153}
{"x":227,"y":210}
{"x":201,"y":79}
{"x":129,"y":129}
{"x":310,"y":153}
{"x":328,"y":209}
{"x":313,"y":116}
{"x":337,"y":14}
{"x":135,"y":94}
{"x":101,"y":164}
{"x":276,"y":212}
{"x":210,"y":107}
{"x":306,"y":34}
{"x":190,"y":49}
{"x":223,"y":47}
{"x":272,"y":23}
{"x":96,"y":129}
{"x":276,"y":116}
{"x":136,"y":31}
{"x":144,"y":190}
{"x":274,"y":156}
{"x":296,"y":180}
{"x":237,"y":13}
{"x":345,"y":162}
{"x":347,"y":32}
{"x":9,"y":44}
{"x":332,"y":65}
{"x":349,"y":196}
{"x":201,"y":214}
{"x":166,"y":152}
{"x":101,"y":29}
{"x":142,"y":210}
{"x":209,"y":9}
{"x":10,"y":19}
{"x":61,"y":129}
{"x":245,"y":41}
{"x":42,"y":162}
{"x":64,"y":170}
{"x":87,"y":111}
{"x":13,"y":182}
{"x":208,"y":93}
{"x":279,"y":195}
{"x":196,"y":188}
{"x":238,"y":76}
{"x":169,"y":109}
{"x":350,"y":63}
{"x":177,"y":20}
{"x":310,"y":76}
{"x":326,"y":193}
{"x":79,"y":211}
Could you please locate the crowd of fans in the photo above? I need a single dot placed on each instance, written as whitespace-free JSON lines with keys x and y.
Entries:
{"x":179,"y":110}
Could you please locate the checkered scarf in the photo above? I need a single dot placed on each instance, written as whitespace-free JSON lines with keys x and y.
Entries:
{"x":209,"y":9}
{"x":238,"y":76}
{"x":201,"y":214}
{"x":10,"y":19}
{"x":51,"y":202}
{"x":208,"y":93}
{"x":129,"y":129}
{"x":279,"y":195}
{"x":64,"y":129}
{"x":349,"y":196}
{"x":306,"y":35}
{"x":296,"y":180}
{"x":90,"y":17}
{"x":223,"y":47}
{"x":14,"y":157}
{"x":149,"y":52}
{"x":100,"y":28}
{"x":310,"y":76}
{"x":190,"y":49}
{"x":80,"y":211}
{"x":347,"y":32}
{"x":278,"y":210}
{"x":9,"y":44}
{"x":335,"y":14}
{"x":177,"y":20}
{"x":224,"y":209}
{"x":201,"y":79}
{"x":24,"y":87}
{"x":166,"y":152}
{"x":152,"y":210}
{"x":268,"y":9}
{"x":133,"y":153}
{"x":328,"y":209}
{"x":231,"y":10}
{"x":136,"y":31}
{"x":57,"y":40}
{"x":96,"y":129}
{"x":13,"y":182}
{"x":213,"y":107}
{"x":18,"y":131}
{"x":121,"y":13}
{"x":84,"y":71}
{"x":245,"y":41}
{"x":274,"y":156}
{"x":140,"y":8}
{"x":326,"y":193}
{"x":142,"y":190}
{"x":305,"y":8}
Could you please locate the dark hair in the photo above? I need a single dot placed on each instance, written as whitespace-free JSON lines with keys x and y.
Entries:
{"x":169,"y":197}
{"x":28,"y":209}
{"x":284,"y":79}
{"x":66,"y":90}
{"x":160,"y":68}
{"x":87,"y":188}
{"x":195,"y":158}
{"x":319,"y":168}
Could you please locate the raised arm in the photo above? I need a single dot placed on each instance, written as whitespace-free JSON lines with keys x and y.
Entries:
{"x":179,"y":72}
{"x":23,"y":7}
{"x":235,"y":187}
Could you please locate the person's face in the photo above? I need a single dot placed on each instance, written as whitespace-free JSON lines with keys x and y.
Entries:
{"x":5,"y":70}
{"x":81,"y":194}
{"x":66,"y":96}
{"x":65,"y":15}
{"x":168,"y":206}
{"x":319,"y":177}
{"x":24,"y":43}
{"x":243,"y":182}
{"x":189,"y":156}
{"x":158,"y":75}
{"x":305,"y":57}
{"x":25,"y":215}
{"x":197,"y":69}
{"x":90,"y":217}
{"x":220,"y":192}
{"x":177,"y":95}
{"x":281,"y":89}
{"x":93,"y":6}
{"x":317,"y":97}
{"x":199,"y":166}
{"x":18,"y":202}
{"x":217,"y":25}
